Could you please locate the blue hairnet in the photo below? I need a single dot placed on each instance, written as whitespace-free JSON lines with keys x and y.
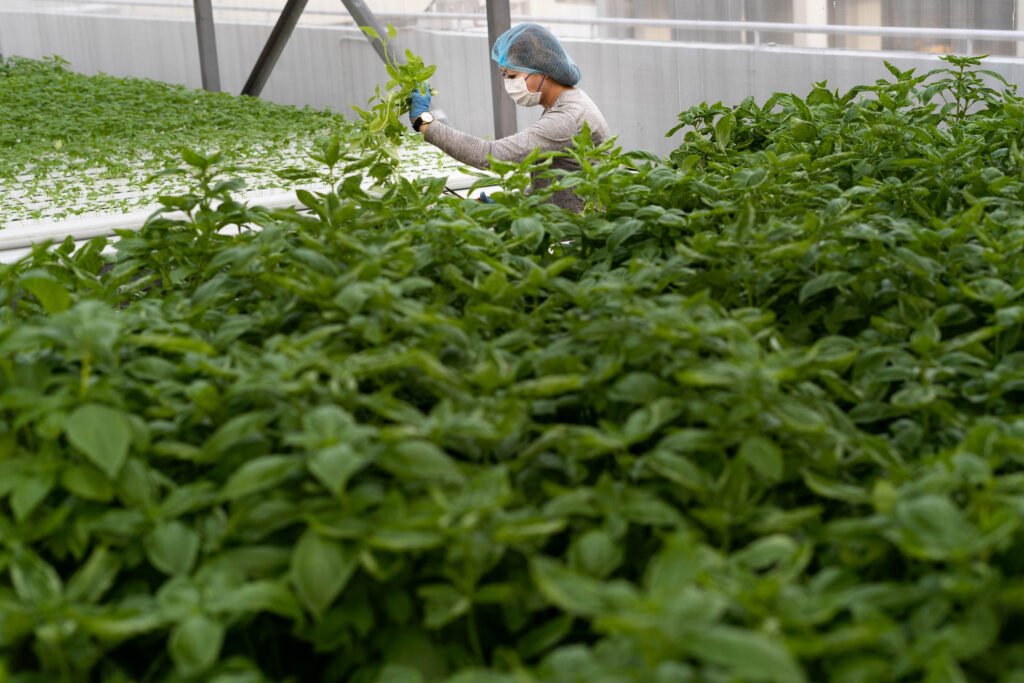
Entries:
{"x":534,"y":49}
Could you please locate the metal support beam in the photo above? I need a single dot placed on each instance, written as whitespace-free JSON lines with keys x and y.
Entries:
{"x":284,"y":27}
{"x":1018,"y":14}
{"x":363,"y":16}
{"x":499,"y":20}
{"x":274,"y":47}
{"x":815,"y":13}
{"x":208,"y":64}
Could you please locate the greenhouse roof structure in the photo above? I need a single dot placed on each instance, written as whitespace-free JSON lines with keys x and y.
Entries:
{"x":498,"y":21}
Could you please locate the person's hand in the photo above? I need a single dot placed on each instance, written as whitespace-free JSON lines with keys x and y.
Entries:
{"x":419,"y":103}
{"x":485,"y":199}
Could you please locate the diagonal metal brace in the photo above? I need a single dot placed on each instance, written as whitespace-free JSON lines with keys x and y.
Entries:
{"x":284,"y":27}
{"x":275,"y":46}
{"x":363,"y":16}
{"x":499,"y":20}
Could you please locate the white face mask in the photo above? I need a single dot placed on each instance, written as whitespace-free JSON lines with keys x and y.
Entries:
{"x":520,"y":94}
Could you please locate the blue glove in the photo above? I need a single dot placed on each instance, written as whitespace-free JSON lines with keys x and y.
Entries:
{"x":485,"y":199}
{"x":419,"y":102}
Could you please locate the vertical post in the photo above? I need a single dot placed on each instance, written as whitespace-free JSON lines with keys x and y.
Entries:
{"x":364,"y":16}
{"x":499,"y":20}
{"x":961,"y":15}
{"x":813,"y":13}
{"x":207,"y":45}
{"x":866,"y":13}
{"x":626,"y":8}
{"x":1018,"y":13}
{"x":274,"y":47}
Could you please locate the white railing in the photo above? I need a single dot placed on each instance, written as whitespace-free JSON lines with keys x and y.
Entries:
{"x":754,"y":29}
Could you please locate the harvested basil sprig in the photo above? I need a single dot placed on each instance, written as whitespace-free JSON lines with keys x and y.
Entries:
{"x":383,"y":125}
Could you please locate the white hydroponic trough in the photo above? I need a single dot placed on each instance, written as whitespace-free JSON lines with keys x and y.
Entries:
{"x":18,"y":239}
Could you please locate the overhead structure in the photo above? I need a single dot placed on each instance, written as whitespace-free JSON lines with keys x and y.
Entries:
{"x":267,"y":60}
{"x":208,"y":64}
{"x":1019,"y":14}
{"x":499,"y":20}
{"x":365,"y":17}
{"x":286,"y":25}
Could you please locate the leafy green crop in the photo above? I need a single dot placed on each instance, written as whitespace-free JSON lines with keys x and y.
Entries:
{"x":72,"y":144}
{"x":752,"y":417}
{"x":382,"y":126}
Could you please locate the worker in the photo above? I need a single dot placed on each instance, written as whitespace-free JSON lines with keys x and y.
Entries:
{"x":535,"y":70}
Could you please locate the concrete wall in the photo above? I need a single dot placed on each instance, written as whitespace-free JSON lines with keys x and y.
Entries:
{"x":640,"y":86}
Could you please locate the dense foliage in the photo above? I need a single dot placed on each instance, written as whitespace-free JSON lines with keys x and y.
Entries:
{"x":752,"y":417}
{"x":72,"y":144}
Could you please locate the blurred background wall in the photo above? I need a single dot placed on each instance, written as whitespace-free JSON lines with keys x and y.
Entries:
{"x":641,"y":75}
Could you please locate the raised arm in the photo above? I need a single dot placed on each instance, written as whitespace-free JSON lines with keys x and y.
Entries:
{"x":551,"y":132}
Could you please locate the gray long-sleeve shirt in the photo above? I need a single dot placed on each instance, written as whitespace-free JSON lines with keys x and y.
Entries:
{"x":553,"y":131}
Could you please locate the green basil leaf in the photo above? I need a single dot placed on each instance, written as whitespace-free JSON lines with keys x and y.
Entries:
{"x":764,"y":456}
{"x":420,"y":460}
{"x":320,"y":569}
{"x":102,"y":434}
{"x":750,"y":655}
{"x":51,"y":293}
{"x":258,"y":475}
{"x":34,"y":580}
{"x":334,"y":466}
{"x":172,"y":548}
{"x":195,"y":644}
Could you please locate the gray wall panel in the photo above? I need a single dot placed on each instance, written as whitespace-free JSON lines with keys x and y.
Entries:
{"x":641,"y":87}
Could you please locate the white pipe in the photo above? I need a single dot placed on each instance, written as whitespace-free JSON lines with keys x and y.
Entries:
{"x":19,"y":239}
